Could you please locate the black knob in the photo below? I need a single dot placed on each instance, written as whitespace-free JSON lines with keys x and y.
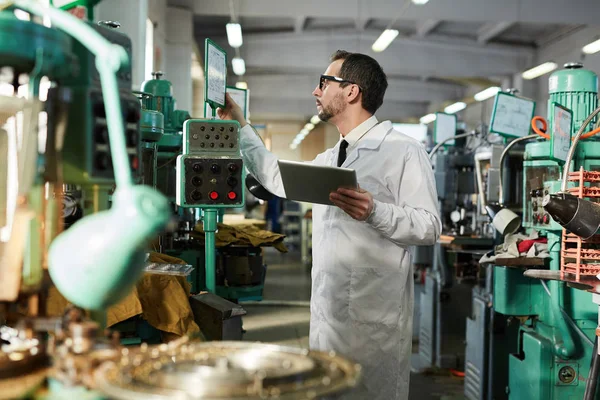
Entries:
{"x":226,"y":137}
{"x":231,"y":181}
{"x":212,"y":128}
{"x":102,"y":161}
{"x":215,"y":168}
{"x":231,"y":129}
{"x":202,"y":144}
{"x":207,"y":136}
{"x":222,"y":129}
{"x":196,"y":181}
{"x":196,"y":195}
{"x":101,"y":134}
{"x":221,"y":144}
{"x":217,"y":137}
{"x":231,"y":167}
{"x":231,"y":145}
{"x":197,"y":168}
{"x":202,"y":128}
{"x":212,"y":145}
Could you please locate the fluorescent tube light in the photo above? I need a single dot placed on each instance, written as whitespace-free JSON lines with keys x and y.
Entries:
{"x":487,"y":93}
{"x":427,"y":118}
{"x":384,"y":40}
{"x":591,"y":48}
{"x":239,"y":66}
{"x":456,"y":107}
{"x":234,"y":35}
{"x":241,"y":85}
{"x":420,"y":2}
{"x":539,"y":70}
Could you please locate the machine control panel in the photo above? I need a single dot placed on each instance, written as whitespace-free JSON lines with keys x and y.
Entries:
{"x":539,"y":218}
{"x":539,"y":215}
{"x":210,"y":181}
{"x":210,"y":172}
{"x":210,"y":137}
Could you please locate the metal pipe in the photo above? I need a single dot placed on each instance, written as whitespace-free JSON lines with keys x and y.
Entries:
{"x":571,"y":153}
{"x":502,"y":156}
{"x":210,"y":227}
{"x":592,"y":381}
{"x":440,"y":144}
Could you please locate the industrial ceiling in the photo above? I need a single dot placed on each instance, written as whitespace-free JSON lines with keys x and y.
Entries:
{"x":442,"y":46}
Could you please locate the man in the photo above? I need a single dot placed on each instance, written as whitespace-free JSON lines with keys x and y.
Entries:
{"x":362,"y":282}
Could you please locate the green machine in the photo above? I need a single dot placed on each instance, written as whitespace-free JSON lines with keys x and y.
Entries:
{"x":557,"y":322}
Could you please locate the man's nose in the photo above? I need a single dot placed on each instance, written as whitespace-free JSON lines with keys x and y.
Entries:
{"x":317,"y":92}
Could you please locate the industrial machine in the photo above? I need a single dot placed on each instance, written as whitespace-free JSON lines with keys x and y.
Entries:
{"x":446,"y":295}
{"x":89,"y":162}
{"x":549,"y":357}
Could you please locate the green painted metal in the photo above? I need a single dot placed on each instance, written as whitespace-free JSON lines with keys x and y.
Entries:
{"x":25,"y":45}
{"x":88,"y":4}
{"x":515,"y":294}
{"x":59,"y":391}
{"x":161,"y":100}
{"x":210,"y":227}
{"x":152,"y":126}
{"x":575,"y":88}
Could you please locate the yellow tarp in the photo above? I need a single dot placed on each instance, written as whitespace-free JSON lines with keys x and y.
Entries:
{"x":244,"y":235}
{"x":162,"y":300}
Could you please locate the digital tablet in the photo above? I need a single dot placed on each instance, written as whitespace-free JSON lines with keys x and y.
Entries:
{"x":313,"y":183}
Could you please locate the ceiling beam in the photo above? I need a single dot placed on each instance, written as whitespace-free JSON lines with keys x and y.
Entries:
{"x":361,"y":23}
{"x":425,"y":27}
{"x":491,"y":30}
{"x":561,"y":11}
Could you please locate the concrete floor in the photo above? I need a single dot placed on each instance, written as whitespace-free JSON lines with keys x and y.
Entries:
{"x":288,"y":282}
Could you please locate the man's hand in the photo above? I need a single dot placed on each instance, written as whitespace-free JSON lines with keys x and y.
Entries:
{"x":231,"y":111}
{"x":357,"y":203}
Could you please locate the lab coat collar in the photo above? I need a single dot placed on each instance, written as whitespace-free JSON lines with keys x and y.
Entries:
{"x":372,"y":140}
{"x":357,"y":133}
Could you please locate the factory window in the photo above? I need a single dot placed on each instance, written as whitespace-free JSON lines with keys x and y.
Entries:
{"x":149,"y":62}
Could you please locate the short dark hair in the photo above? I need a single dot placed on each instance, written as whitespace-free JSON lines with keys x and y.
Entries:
{"x":366,"y":72}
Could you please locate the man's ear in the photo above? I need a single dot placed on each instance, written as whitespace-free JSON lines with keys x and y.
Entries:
{"x":353,"y":93}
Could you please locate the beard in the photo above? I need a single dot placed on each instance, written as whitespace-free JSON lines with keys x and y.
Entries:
{"x":336,"y":107}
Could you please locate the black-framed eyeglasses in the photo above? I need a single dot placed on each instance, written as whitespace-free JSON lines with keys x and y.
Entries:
{"x":335,"y":79}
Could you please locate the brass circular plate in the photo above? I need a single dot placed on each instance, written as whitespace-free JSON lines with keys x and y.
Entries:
{"x":225,"y":370}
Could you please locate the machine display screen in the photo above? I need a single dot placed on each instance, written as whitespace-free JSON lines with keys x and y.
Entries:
{"x":215,"y":61}
{"x":561,"y":132}
{"x":445,"y":127}
{"x":512,"y":115}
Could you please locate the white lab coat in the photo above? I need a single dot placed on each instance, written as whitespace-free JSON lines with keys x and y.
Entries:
{"x":362,"y":281}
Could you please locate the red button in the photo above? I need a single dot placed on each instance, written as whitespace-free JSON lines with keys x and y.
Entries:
{"x":213,"y":195}
{"x":231,"y":195}
{"x":135,"y":163}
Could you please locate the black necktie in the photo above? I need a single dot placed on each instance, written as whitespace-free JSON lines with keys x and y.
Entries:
{"x":342,"y":153}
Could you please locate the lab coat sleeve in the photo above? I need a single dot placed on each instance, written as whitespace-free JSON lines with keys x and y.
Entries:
{"x":414,"y":219}
{"x":261,"y":162}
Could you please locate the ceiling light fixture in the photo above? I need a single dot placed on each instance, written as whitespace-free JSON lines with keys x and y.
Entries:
{"x":426,"y":119}
{"x":239,"y":66}
{"x":487,"y":93}
{"x":384,"y":40}
{"x":234,"y":34}
{"x":456,"y":107}
{"x":591,"y":48}
{"x":540,"y":70}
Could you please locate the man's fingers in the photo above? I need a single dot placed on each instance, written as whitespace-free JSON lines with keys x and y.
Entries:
{"x":348,"y":208}
{"x":352,"y":193}
{"x":347,"y":200}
